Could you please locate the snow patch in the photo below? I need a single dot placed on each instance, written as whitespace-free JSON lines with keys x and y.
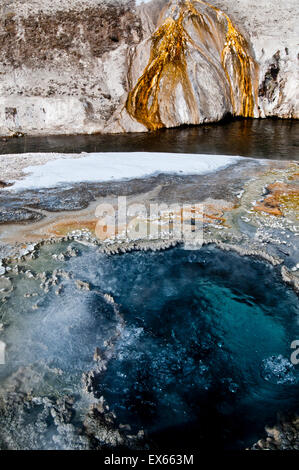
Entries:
{"x":101,"y":167}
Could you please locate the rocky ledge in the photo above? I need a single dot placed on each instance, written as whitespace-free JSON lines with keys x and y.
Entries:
{"x":108,"y":66}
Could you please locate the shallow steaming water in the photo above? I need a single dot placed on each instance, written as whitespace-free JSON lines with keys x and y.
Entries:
{"x":203,"y":359}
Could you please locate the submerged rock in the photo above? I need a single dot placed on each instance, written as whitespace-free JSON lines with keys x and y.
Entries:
{"x":6,"y":287}
{"x":278,"y":370}
{"x":283,"y":436}
{"x":81,"y":285}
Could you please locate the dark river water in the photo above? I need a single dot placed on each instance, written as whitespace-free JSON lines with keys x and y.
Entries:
{"x":268,"y":138}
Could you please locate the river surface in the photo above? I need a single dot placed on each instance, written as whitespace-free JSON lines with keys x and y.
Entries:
{"x":268,"y":138}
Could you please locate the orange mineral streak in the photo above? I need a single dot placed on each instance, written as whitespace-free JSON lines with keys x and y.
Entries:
{"x":167,"y":55}
{"x":235,"y":53}
{"x":168,"y":61}
{"x":64,"y":228}
{"x":282,"y":198}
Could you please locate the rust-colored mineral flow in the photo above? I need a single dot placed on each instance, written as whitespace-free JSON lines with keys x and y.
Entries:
{"x":168,"y":61}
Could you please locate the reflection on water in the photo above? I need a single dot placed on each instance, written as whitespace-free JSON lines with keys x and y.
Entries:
{"x":267,"y":138}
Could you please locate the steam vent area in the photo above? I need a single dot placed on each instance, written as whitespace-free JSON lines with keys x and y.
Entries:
{"x":149,"y":208}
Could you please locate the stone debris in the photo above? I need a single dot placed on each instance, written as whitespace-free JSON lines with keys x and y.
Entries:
{"x":102,"y":426}
{"x":283,"y":436}
{"x":109,"y":298}
{"x":97,"y":355}
{"x":35,"y":307}
{"x":30,"y":274}
{"x":81,"y":285}
{"x":6,"y":287}
{"x":72,"y":252}
{"x":290,"y":278}
{"x":59,"y":290}
{"x":245,"y":251}
{"x":29,"y":295}
{"x":28,"y":249}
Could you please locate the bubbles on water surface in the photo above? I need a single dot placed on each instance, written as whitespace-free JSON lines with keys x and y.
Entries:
{"x":206,"y":329}
{"x":278,"y":370}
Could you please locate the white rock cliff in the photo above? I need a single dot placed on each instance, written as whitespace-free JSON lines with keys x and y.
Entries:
{"x":87,"y":66}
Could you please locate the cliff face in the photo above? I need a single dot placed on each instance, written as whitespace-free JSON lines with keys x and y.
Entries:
{"x":75,"y":66}
{"x":200,"y":67}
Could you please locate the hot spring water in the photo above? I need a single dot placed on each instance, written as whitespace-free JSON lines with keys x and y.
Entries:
{"x":201,"y":339}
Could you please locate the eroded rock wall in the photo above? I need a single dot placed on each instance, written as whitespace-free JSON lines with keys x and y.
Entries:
{"x":85,"y":66}
{"x":272,"y":29}
{"x":63,"y":66}
{"x":200,"y":68}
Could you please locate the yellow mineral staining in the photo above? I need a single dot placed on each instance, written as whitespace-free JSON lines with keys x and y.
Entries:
{"x":167,"y":57}
{"x":168,"y":62}
{"x":290,"y":203}
{"x":235,"y":53}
